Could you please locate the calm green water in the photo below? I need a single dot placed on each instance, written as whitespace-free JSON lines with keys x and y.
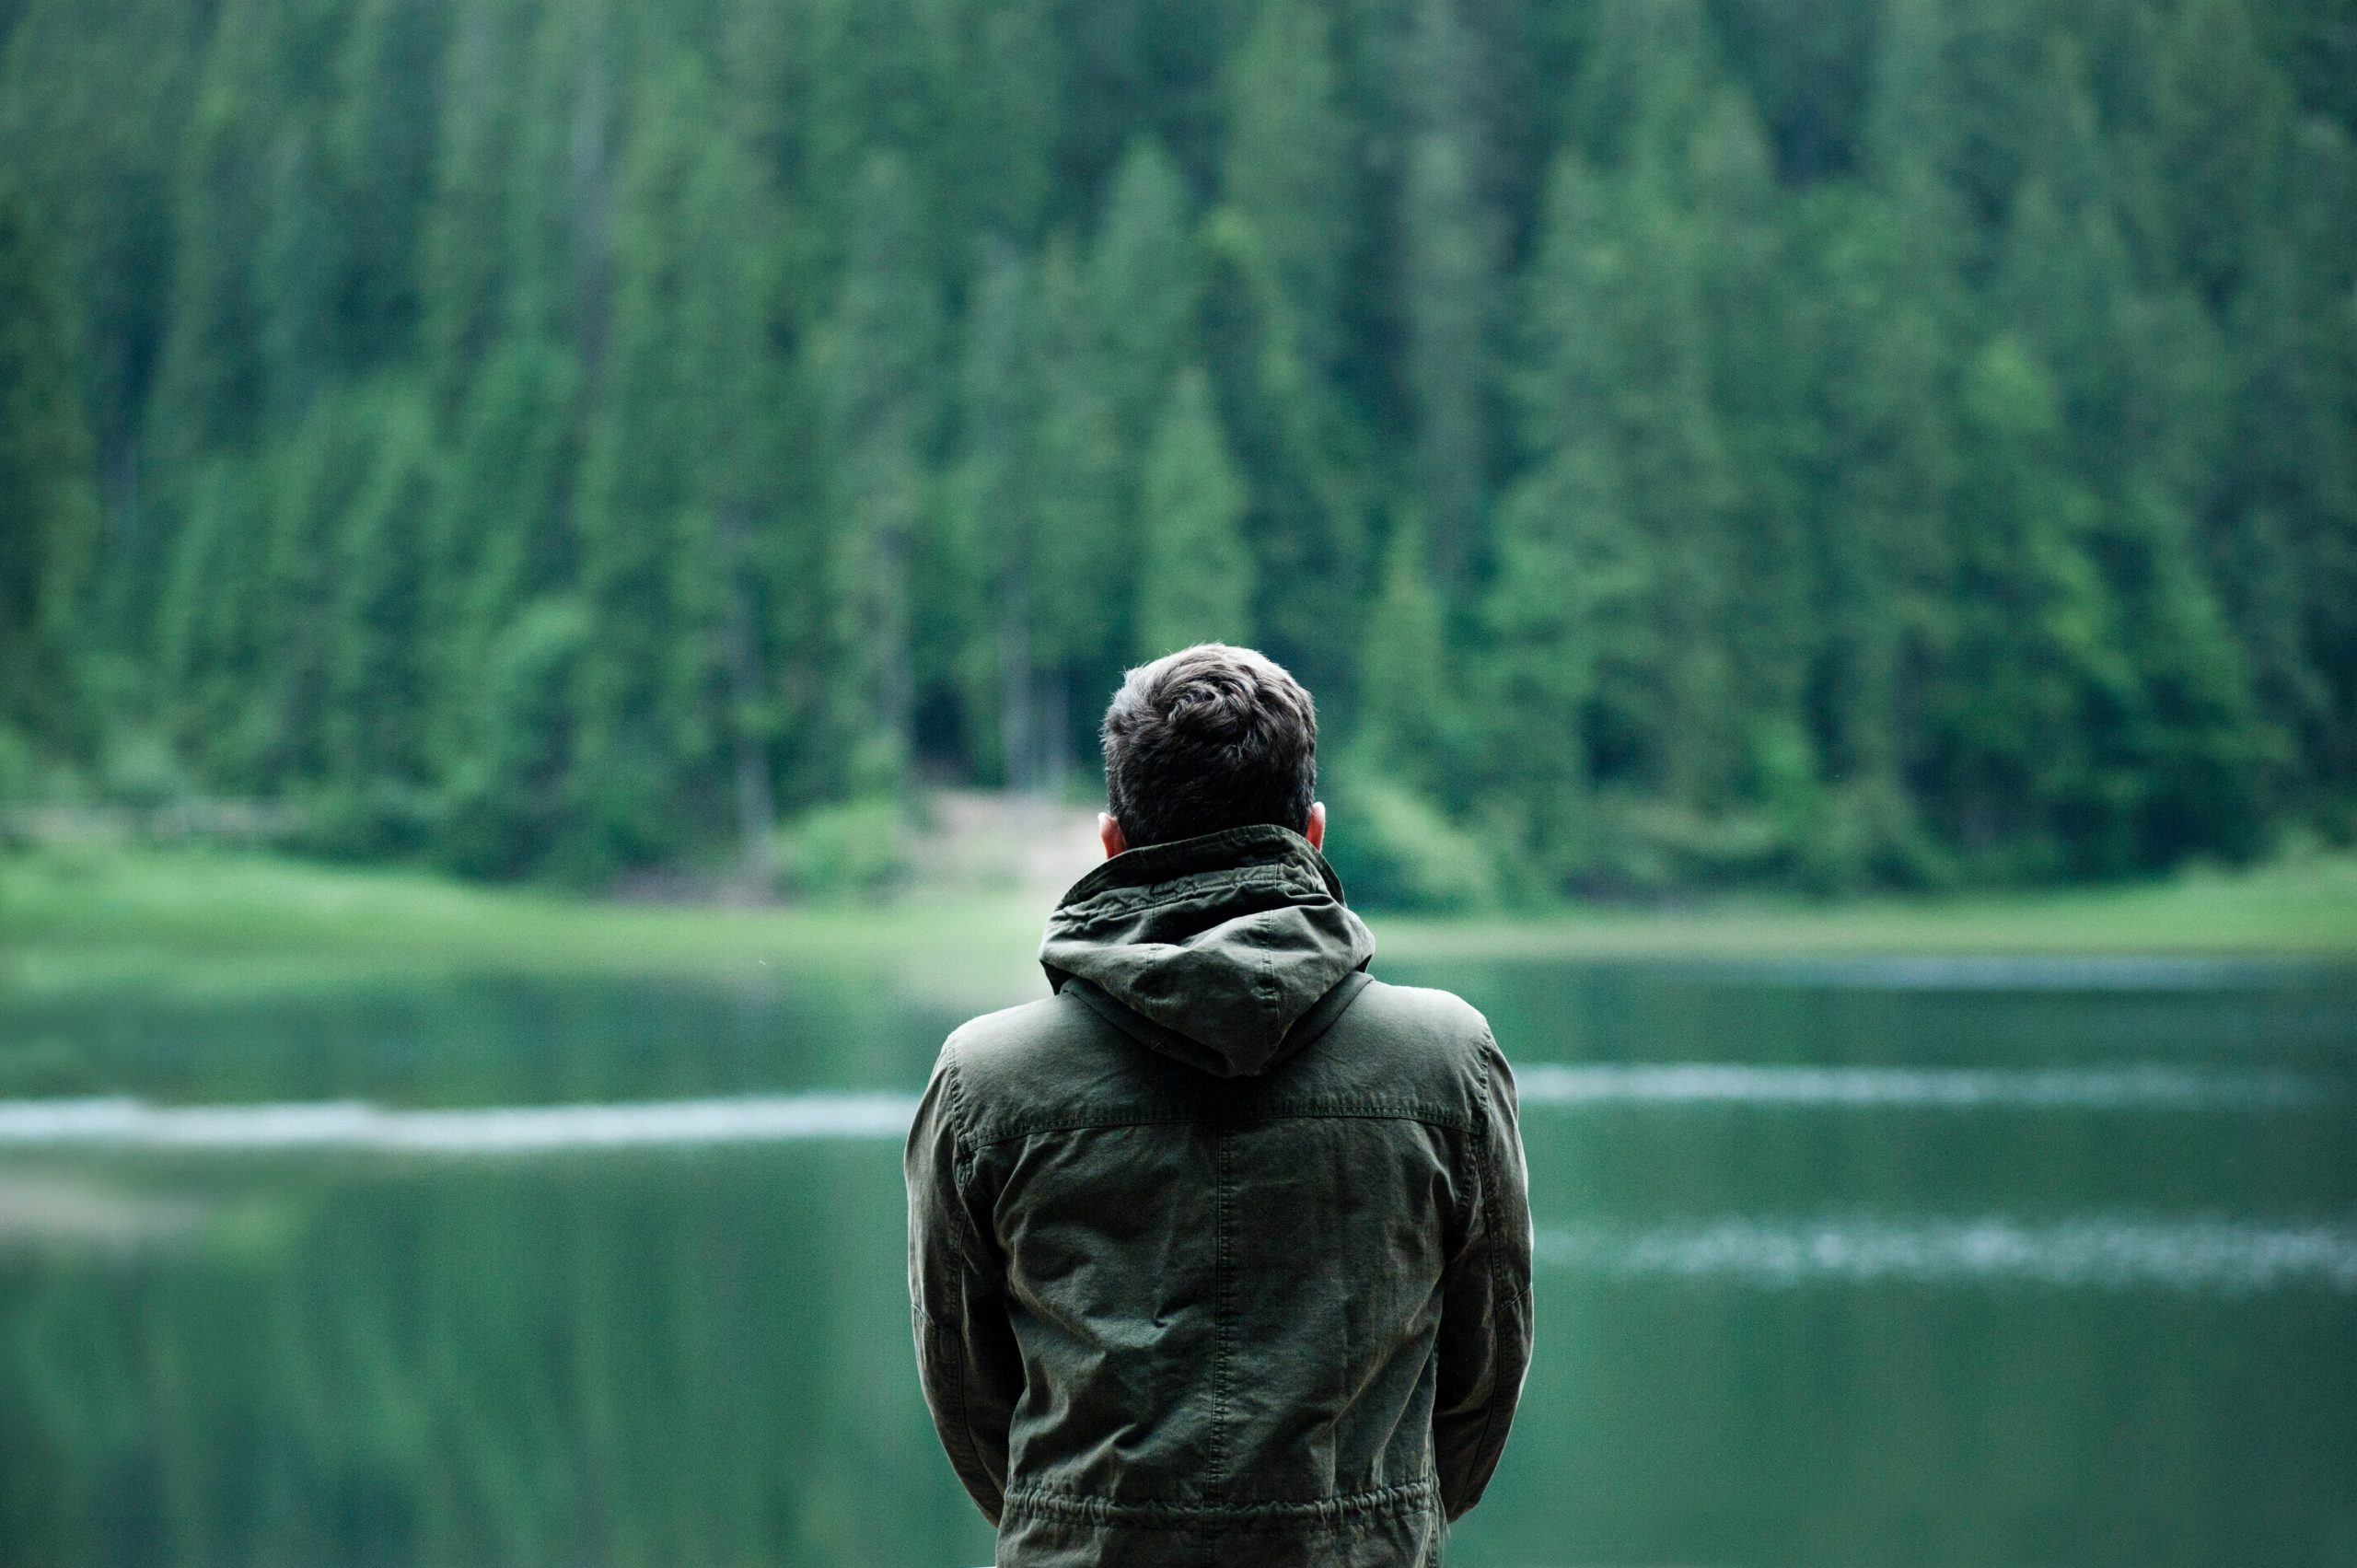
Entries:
{"x":1847,"y":1263}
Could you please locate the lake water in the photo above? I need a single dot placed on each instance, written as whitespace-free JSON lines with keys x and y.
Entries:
{"x":1940,"y":1261}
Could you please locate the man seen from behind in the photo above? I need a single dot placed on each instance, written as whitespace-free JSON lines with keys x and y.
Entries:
{"x":1221,"y":1253}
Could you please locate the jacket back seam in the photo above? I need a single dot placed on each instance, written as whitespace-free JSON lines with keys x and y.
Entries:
{"x":1223,"y":1317}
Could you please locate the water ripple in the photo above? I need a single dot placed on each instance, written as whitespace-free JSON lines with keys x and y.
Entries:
{"x":126,"y":1124}
{"x":516,"y":1129}
{"x":2149,"y":1085}
{"x":2209,"y":1255}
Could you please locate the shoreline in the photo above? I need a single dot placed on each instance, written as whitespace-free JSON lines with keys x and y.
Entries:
{"x":203,"y":916}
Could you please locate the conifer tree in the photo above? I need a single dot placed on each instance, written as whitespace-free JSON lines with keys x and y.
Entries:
{"x":722,"y":584}
{"x":636,"y":485}
{"x":1449,"y":247}
{"x":388,"y":74}
{"x":497,"y":528}
{"x":463,"y":246}
{"x":999,"y":485}
{"x":293,"y":628}
{"x":1568,"y":651}
{"x":95,"y":105}
{"x":1195,"y":585}
{"x":2219,"y":109}
{"x":1289,"y":172}
{"x":49,"y":525}
{"x":377,"y":699}
{"x":1085,"y":562}
{"x":1141,"y":283}
{"x":873,"y":367}
{"x":1405,"y":716}
{"x":2035,"y":665}
{"x":1289,"y":429}
{"x":209,"y":373}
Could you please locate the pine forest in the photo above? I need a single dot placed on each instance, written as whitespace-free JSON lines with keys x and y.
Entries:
{"x":1826,"y":443}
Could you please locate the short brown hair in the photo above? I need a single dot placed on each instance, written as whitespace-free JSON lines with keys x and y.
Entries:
{"x":1211,"y":737}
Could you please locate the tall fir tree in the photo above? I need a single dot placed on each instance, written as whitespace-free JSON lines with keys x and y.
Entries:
{"x":1290,"y":173}
{"x":999,"y":486}
{"x":1141,"y":284}
{"x":1449,"y":249}
{"x":49,"y":519}
{"x":874,"y":365}
{"x":1085,"y":565}
{"x":1196,"y":585}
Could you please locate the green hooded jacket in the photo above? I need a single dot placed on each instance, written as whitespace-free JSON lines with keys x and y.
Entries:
{"x":1221,"y":1254}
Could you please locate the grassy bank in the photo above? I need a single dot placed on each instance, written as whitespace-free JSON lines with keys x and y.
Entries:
{"x":103,"y":913}
{"x":2306,"y":909}
{"x":90,"y":913}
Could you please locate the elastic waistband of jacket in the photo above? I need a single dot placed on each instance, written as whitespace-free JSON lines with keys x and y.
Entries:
{"x":1343,"y":1509}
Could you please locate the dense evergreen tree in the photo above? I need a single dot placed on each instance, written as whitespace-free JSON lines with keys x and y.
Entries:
{"x":876,"y":362}
{"x":1681,"y":439}
{"x":1289,"y":171}
{"x":1141,"y":281}
{"x":1448,"y":258}
{"x":1195,"y":584}
{"x":1001,"y":393}
{"x":1083,"y":563}
{"x":48,"y":506}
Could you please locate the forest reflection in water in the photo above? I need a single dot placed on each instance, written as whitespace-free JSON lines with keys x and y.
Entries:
{"x":1838,"y":1265}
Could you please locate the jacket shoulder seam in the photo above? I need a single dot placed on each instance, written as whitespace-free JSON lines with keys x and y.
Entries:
{"x":960,"y":1130}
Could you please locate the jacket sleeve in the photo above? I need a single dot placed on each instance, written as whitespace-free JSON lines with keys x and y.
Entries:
{"x":1485,"y":1302}
{"x":967,"y":1356}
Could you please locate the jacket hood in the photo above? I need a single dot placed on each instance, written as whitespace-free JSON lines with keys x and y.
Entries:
{"x":1220,"y":946}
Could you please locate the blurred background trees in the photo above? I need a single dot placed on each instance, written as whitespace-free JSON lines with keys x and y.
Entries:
{"x":1680,"y":441}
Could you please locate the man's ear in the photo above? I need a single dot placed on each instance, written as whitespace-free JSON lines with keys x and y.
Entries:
{"x":1109,"y":834}
{"x":1315,"y":829}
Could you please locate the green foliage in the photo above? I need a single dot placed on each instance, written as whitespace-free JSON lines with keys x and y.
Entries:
{"x":1196,"y":584}
{"x":856,"y":849}
{"x":48,"y":505}
{"x":1395,"y":849}
{"x":1680,"y":441}
{"x":1287,"y":148}
{"x":873,"y":362}
{"x":1406,"y":719}
{"x":509,"y":798}
{"x":1447,"y":248}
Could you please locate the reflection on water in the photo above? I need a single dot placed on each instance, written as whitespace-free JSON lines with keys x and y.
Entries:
{"x":2142,"y":1084}
{"x":352,"y":1126}
{"x":1835,"y":1268}
{"x":2234,"y":1257}
{"x":356,"y":1126}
